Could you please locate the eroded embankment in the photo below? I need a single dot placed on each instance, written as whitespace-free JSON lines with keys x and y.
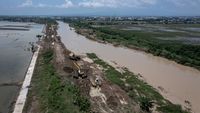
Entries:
{"x":146,"y":96}
{"x":64,"y":82}
{"x":58,"y":86}
{"x":176,"y":82}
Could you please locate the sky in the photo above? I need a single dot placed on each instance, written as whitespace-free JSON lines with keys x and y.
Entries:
{"x":101,"y":7}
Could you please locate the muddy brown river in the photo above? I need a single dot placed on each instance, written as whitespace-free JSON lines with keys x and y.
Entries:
{"x":178,"y":83}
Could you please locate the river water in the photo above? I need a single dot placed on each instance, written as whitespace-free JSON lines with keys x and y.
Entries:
{"x":180,"y":82}
{"x":15,"y":56}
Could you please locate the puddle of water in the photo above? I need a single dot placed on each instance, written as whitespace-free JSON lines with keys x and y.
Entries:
{"x":14,"y":59}
{"x":180,"y":82}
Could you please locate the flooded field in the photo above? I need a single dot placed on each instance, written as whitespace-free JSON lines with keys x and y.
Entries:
{"x":193,"y":29}
{"x":151,"y":28}
{"x":178,"y":83}
{"x":185,"y":40}
{"x":14,"y":58}
{"x":161,"y":28}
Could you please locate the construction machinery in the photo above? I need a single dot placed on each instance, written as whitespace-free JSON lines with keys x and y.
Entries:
{"x":79,"y":72}
{"x":72,"y":56}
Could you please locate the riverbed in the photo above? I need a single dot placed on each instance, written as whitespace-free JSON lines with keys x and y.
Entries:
{"x":14,"y":58}
{"x":175,"y":82}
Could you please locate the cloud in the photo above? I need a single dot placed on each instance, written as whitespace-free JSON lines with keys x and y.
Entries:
{"x":110,"y":3}
{"x":136,"y":3}
{"x":116,"y":3}
{"x":151,"y":2}
{"x":98,"y":3}
{"x":93,"y":3}
{"x":67,"y":4}
{"x":42,"y":5}
{"x":27,"y":3}
{"x":183,"y":3}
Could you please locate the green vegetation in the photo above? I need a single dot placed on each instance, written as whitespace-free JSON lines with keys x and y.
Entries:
{"x":137,"y":89}
{"x":183,"y":53}
{"x":146,"y":104}
{"x":56,"y":95}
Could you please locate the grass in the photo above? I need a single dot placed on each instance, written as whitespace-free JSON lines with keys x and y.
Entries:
{"x":138,"y":90}
{"x":56,"y":95}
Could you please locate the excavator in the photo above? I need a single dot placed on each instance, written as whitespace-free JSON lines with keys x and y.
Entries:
{"x":79,"y":72}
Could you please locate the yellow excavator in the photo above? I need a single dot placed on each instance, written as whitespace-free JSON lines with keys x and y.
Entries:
{"x":79,"y":72}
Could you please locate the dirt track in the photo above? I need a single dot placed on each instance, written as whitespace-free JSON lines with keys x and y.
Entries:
{"x":108,"y":98}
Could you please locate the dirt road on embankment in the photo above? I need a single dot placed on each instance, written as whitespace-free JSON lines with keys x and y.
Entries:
{"x":72,"y":83}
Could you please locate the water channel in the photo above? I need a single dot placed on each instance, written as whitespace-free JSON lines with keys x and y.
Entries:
{"x":179,"y":82}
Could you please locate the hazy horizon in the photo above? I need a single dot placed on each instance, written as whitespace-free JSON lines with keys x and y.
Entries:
{"x":100,"y":7}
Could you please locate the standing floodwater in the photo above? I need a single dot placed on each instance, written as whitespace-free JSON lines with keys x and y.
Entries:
{"x":15,"y":56}
{"x":179,"y":83}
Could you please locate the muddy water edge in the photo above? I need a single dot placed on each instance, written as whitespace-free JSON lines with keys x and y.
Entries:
{"x":15,"y":56}
{"x":176,"y":82}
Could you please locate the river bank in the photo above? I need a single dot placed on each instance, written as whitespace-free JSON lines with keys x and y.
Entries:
{"x":68,"y":93}
{"x":175,"y":82}
{"x":58,"y":86}
{"x":180,"y":46}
